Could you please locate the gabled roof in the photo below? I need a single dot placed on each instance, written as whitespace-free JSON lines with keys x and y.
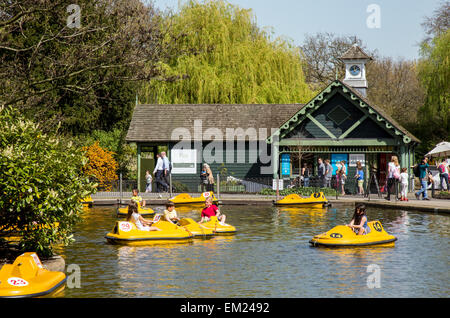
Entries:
{"x":156,"y":122}
{"x":355,"y":53}
{"x":374,"y":111}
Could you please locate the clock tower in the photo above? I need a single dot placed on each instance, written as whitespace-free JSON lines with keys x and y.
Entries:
{"x":355,"y":60}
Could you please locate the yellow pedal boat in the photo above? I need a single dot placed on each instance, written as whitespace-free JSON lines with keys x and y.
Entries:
{"x":198,"y":230}
{"x":219,"y":227}
{"x":87,"y":201}
{"x":27,"y":277}
{"x":142,"y":211}
{"x":343,"y":235}
{"x":185,"y":198}
{"x":126,"y":233}
{"x":316,"y":200}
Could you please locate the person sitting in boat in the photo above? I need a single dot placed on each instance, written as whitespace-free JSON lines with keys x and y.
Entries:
{"x":141,"y":223}
{"x":359,"y":220}
{"x":170,"y":214}
{"x":211,"y":210}
{"x":137,"y":198}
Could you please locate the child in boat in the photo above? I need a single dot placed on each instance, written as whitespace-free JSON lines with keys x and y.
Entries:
{"x":211,"y":210}
{"x":137,"y":198}
{"x":170,"y":214}
{"x":359,"y":220}
{"x":141,"y":223}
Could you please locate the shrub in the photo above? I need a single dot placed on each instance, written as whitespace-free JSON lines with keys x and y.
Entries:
{"x":100,"y":166}
{"x":41,"y":183}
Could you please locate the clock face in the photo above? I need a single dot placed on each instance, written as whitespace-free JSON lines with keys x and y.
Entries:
{"x":355,"y":70}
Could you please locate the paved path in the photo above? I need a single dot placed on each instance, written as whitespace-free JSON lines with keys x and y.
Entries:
{"x":434,"y":205}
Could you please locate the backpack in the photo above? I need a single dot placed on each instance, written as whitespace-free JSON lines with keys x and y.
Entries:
{"x":441,"y":168}
{"x":416,"y":171}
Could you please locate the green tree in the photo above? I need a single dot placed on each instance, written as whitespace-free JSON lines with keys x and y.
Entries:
{"x":41,"y":183}
{"x":434,"y":74}
{"x":219,"y":55}
{"x":84,"y":76}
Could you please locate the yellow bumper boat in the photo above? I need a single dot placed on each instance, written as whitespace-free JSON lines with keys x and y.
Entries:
{"x":27,"y":277}
{"x":316,"y":200}
{"x":219,"y":227}
{"x":87,"y":202}
{"x":185,"y":198}
{"x":144,"y":211}
{"x":198,"y":230}
{"x":343,"y":235}
{"x":126,"y":233}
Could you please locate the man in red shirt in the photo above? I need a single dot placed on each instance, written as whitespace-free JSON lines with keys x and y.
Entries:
{"x":211,"y":210}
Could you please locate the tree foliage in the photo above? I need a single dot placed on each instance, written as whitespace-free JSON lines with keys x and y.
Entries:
{"x":83,"y":76}
{"x":221,"y":56}
{"x":434,"y":73}
{"x":322,"y":51}
{"x":41,"y":183}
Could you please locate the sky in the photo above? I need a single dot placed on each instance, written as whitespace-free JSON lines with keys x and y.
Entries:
{"x":393,"y":27}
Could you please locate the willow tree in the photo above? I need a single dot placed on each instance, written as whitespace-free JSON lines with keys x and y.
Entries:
{"x":434,"y":73}
{"x":221,"y":56}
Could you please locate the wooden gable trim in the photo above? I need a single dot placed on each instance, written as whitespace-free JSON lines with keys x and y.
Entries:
{"x":353,"y":97}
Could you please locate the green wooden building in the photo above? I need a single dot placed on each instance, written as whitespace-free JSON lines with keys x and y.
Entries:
{"x":265,"y":141}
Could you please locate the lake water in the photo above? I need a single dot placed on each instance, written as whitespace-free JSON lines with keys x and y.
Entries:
{"x":269,"y":256}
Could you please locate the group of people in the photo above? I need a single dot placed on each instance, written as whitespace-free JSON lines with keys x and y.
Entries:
{"x":396,"y":175}
{"x":170,"y":214}
{"x":325,"y":174}
{"x":425,"y":176}
{"x":161,"y":172}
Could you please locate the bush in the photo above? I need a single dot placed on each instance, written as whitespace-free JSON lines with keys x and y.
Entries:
{"x":41,"y":183}
{"x":101,"y":166}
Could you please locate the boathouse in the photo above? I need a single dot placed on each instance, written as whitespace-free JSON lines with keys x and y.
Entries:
{"x":247,"y":142}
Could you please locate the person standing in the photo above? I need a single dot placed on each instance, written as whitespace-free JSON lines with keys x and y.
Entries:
{"x":328,"y":173}
{"x":393,"y":176}
{"x":342,"y":172}
{"x":203,"y":178}
{"x":159,"y":174}
{"x":443,"y":169}
{"x":166,"y":169}
{"x":423,"y":177}
{"x":404,"y":183}
{"x":149,"y":179}
{"x":210,"y":185}
{"x":360,"y":177}
{"x":321,"y":172}
{"x":306,"y":172}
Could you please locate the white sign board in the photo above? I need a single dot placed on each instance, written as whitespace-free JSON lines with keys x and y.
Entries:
{"x":280,"y":184}
{"x":354,"y":158}
{"x":184,"y":161}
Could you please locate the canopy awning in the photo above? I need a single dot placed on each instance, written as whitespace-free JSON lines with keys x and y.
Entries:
{"x":442,"y":149}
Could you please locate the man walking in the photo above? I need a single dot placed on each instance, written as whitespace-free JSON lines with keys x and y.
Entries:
{"x":423,"y":177}
{"x":166,"y":168}
{"x":158,"y":172}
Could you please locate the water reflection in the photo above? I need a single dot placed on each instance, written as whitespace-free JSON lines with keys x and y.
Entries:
{"x":268,"y":257}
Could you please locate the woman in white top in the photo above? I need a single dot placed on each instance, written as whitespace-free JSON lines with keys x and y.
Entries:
{"x":393,"y":176}
{"x":141,"y":223}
